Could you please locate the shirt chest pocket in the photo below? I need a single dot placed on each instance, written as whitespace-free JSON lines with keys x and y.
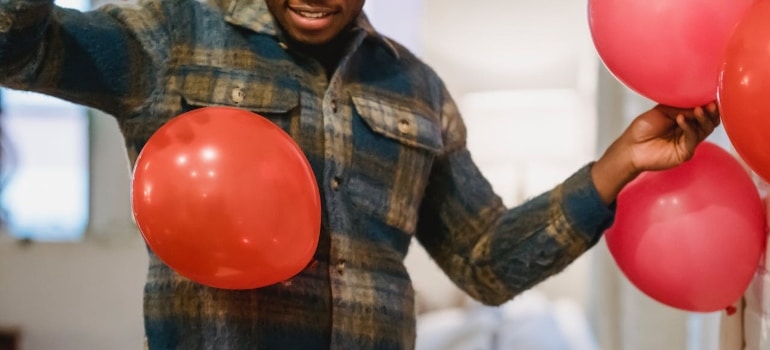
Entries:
{"x":272,"y":95}
{"x":393,"y":151}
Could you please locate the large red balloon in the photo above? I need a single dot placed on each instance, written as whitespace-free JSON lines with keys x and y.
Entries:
{"x":690,"y":237}
{"x":226,"y":198}
{"x":744,"y":89}
{"x":669,"y":51}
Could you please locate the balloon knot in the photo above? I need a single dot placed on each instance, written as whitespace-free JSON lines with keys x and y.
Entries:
{"x":731,"y":310}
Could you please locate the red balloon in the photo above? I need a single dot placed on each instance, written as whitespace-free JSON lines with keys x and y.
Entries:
{"x":226,"y":198}
{"x":744,"y":88}
{"x":690,"y":237}
{"x":669,"y":51}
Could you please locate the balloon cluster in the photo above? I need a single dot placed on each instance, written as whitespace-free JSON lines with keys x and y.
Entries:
{"x":692,"y":237}
{"x":687,"y":53}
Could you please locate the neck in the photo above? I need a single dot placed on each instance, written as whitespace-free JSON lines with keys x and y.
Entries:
{"x":328,"y":54}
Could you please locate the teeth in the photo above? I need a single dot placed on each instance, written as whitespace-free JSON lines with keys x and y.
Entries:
{"x":312,"y":14}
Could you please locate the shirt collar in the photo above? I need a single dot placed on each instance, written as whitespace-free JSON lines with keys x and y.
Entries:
{"x":254,"y":15}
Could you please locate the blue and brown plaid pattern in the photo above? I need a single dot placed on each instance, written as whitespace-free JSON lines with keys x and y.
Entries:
{"x":382,"y":134}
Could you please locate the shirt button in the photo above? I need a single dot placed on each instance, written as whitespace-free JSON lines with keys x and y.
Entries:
{"x":341,"y":267}
{"x":335,"y":183}
{"x":334,"y":105}
{"x":5,"y":22}
{"x":237,"y":95}
{"x":403,"y":126}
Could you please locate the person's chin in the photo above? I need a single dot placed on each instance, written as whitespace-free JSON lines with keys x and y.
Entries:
{"x":313,"y":38}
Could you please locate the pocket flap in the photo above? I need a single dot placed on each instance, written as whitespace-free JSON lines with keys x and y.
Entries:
{"x":260,"y":92}
{"x":400,"y":124}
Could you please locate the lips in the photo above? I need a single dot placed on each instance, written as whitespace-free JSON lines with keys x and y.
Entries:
{"x":312,"y":18}
{"x":312,"y":14}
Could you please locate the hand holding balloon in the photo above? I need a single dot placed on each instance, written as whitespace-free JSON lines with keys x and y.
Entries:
{"x":665,"y":137}
{"x":661,"y":138}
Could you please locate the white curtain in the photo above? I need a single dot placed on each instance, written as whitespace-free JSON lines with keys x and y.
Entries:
{"x":749,"y":327}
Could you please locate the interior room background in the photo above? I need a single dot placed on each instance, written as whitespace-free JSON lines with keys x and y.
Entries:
{"x":538,"y":105}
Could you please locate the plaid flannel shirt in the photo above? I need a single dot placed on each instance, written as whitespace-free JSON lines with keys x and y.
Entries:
{"x":382,"y":134}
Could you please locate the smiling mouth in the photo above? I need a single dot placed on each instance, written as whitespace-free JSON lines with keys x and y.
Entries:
{"x":311,"y":14}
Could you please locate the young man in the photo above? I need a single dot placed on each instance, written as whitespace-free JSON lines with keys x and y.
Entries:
{"x":382,"y":134}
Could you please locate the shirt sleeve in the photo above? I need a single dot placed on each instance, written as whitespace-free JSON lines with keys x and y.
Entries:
{"x":493,"y":252}
{"x":110,"y":59}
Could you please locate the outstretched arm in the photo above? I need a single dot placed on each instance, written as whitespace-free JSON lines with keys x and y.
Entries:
{"x":494,"y":253}
{"x":109,"y":59}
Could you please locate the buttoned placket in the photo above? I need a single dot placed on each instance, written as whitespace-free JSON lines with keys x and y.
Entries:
{"x":337,"y":141}
{"x":338,"y":151}
{"x":337,"y":128}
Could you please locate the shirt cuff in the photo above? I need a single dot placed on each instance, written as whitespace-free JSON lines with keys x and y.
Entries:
{"x":584,"y":208}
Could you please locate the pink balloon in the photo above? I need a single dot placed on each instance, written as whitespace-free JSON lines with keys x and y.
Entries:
{"x":691,"y":237}
{"x":669,"y":51}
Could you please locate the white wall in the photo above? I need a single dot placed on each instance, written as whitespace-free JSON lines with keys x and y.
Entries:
{"x":524,"y":76}
{"x":73,"y":296}
{"x":88,"y":295}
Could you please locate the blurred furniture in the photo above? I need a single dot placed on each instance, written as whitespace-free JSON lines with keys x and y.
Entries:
{"x":10,"y":338}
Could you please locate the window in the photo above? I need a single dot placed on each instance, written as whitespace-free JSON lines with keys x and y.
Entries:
{"x":45,"y":167}
{"x":45,"y":170}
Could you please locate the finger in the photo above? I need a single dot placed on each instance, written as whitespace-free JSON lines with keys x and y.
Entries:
{"x":712,"y":110}
{"x":705,"y":124}
{"x":706,"y":119}
{"x":691,"y":136}
{"x":699,"y":113}
{"x":696,"y":123}
{"x":672,"y":112}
